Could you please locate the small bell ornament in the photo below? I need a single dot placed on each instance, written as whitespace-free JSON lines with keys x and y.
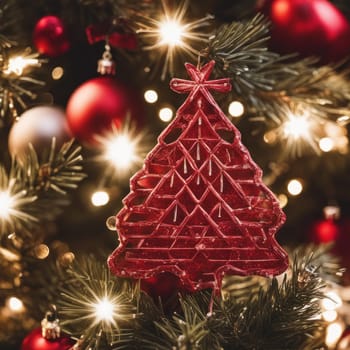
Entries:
{"x":106,"y":65}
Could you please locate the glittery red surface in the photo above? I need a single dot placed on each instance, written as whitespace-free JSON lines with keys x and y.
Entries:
{"x":198,"y":208}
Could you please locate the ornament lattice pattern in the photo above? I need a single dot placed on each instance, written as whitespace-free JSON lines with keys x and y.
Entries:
{"x":199,"y":208}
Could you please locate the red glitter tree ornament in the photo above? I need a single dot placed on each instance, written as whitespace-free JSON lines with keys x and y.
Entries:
{"x":199,"y":209}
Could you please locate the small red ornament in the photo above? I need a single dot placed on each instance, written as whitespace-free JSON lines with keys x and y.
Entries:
{"x":95,"y":106}
{"x":199,"y":209}
{"x":48,"y":336}
{"x":325,"y":231}
{"x":164,"y":285}
{"x":35,"y":341}
{"x":50,"y":36}
{"x":308,"y":27}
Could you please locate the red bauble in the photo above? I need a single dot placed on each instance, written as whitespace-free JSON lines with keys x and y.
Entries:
{"x":309,"y":27}
{"x":50,"y":36}
{"x":38,"y":126}
{"x":35,"y":341}
{"x":164,"y":285}
{"x":198,"y":208}
{"x":95,"y":106}
{"x":325,"y":231}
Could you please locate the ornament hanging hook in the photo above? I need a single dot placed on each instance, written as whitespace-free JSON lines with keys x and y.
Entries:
{"x":106,"y":65}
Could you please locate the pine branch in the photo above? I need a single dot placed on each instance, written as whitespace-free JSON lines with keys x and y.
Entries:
{"x":35,"y":185}
{"x":269,"y":81}
{"x":16,"y":84}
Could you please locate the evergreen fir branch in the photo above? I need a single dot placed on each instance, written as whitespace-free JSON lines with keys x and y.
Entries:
{"x":16,"y":87}
{"x":90,"y":282}
{"x":268,"y":81}
{"x":34,"y":185}
{"x":282,"y":314}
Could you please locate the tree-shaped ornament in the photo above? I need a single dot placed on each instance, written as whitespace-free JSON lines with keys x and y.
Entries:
{"x":199,"y":209}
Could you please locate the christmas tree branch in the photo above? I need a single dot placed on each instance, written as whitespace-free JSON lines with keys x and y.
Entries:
{"x":34,"y":185}
{"x":282,"y":313}
{"x":269,"y":81}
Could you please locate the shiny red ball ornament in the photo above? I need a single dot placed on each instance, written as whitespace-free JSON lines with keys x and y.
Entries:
{"x":199,"y":209}
{"x":95,"y":106}
{"x":35,"y":341}
{"x":50,"y":36}
{"x":164,"y":285}
{"x":325,"y":231}
{"x":308,"y":27}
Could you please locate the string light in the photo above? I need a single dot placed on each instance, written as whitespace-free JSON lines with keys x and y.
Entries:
{"x":99,"y":301}
{"x":297,"y":127}
{"x":104,"y":310}
{"x":42,"y":251}
{"x":294,"y":187}
{"x":326,"y":144}
{"x":332,"y":301}
{"x":57,"y":73}
{"x":236,"y":109}
{"x":333,"y":333}
{"x":99,"y":198}
{"x":170,"y":34}
{"x":15,"y":304}
{"x":17,"y":64}
{"x":283,"y":199}
{"x":151,"y":96}
{"x":122,"y":149}
{"x":11,"y":203}
{"x":165,"y":114}
{"x":6,"y":204}
{"x":297,"y":132}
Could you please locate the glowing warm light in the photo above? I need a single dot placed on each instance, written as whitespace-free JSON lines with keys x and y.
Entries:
{"x":123,"y":148}
{"x":6,"y":204}
{"x":236,"y":109}
{"x":270,"y":137}
{"x":283,"y":199}
{"x":326,"y":144}
{"x":99,"y":198}
{"x":333,"y":333}
{"x":15,"y":304}
{"x":330,"y":315}
{"x":151,"y":96}
{"x":171,"y":32}
{"x":332,"y":301}
{"x":57,"y":73}
{"x":104,"y":310}
{"x":17,"y":64}
{"x":13,"y":204}
{"x":165,"y":114}
{"x":294,"y":187}
{"x":121,"y":151}
{"x":42,"y":251}
{"x":297,"y":127}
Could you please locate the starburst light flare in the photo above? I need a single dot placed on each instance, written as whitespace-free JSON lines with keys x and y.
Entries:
{"x":12,"y":200}
{"x":96,"y":304}
{"x":298,"y":132}
{"x":17,"y":64}
{"x":123,"y":148}
{"x":171,"y":34}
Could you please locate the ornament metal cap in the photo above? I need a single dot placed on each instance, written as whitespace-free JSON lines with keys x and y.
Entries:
{"x":106,"y":65}
{"x":50,"y":327}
